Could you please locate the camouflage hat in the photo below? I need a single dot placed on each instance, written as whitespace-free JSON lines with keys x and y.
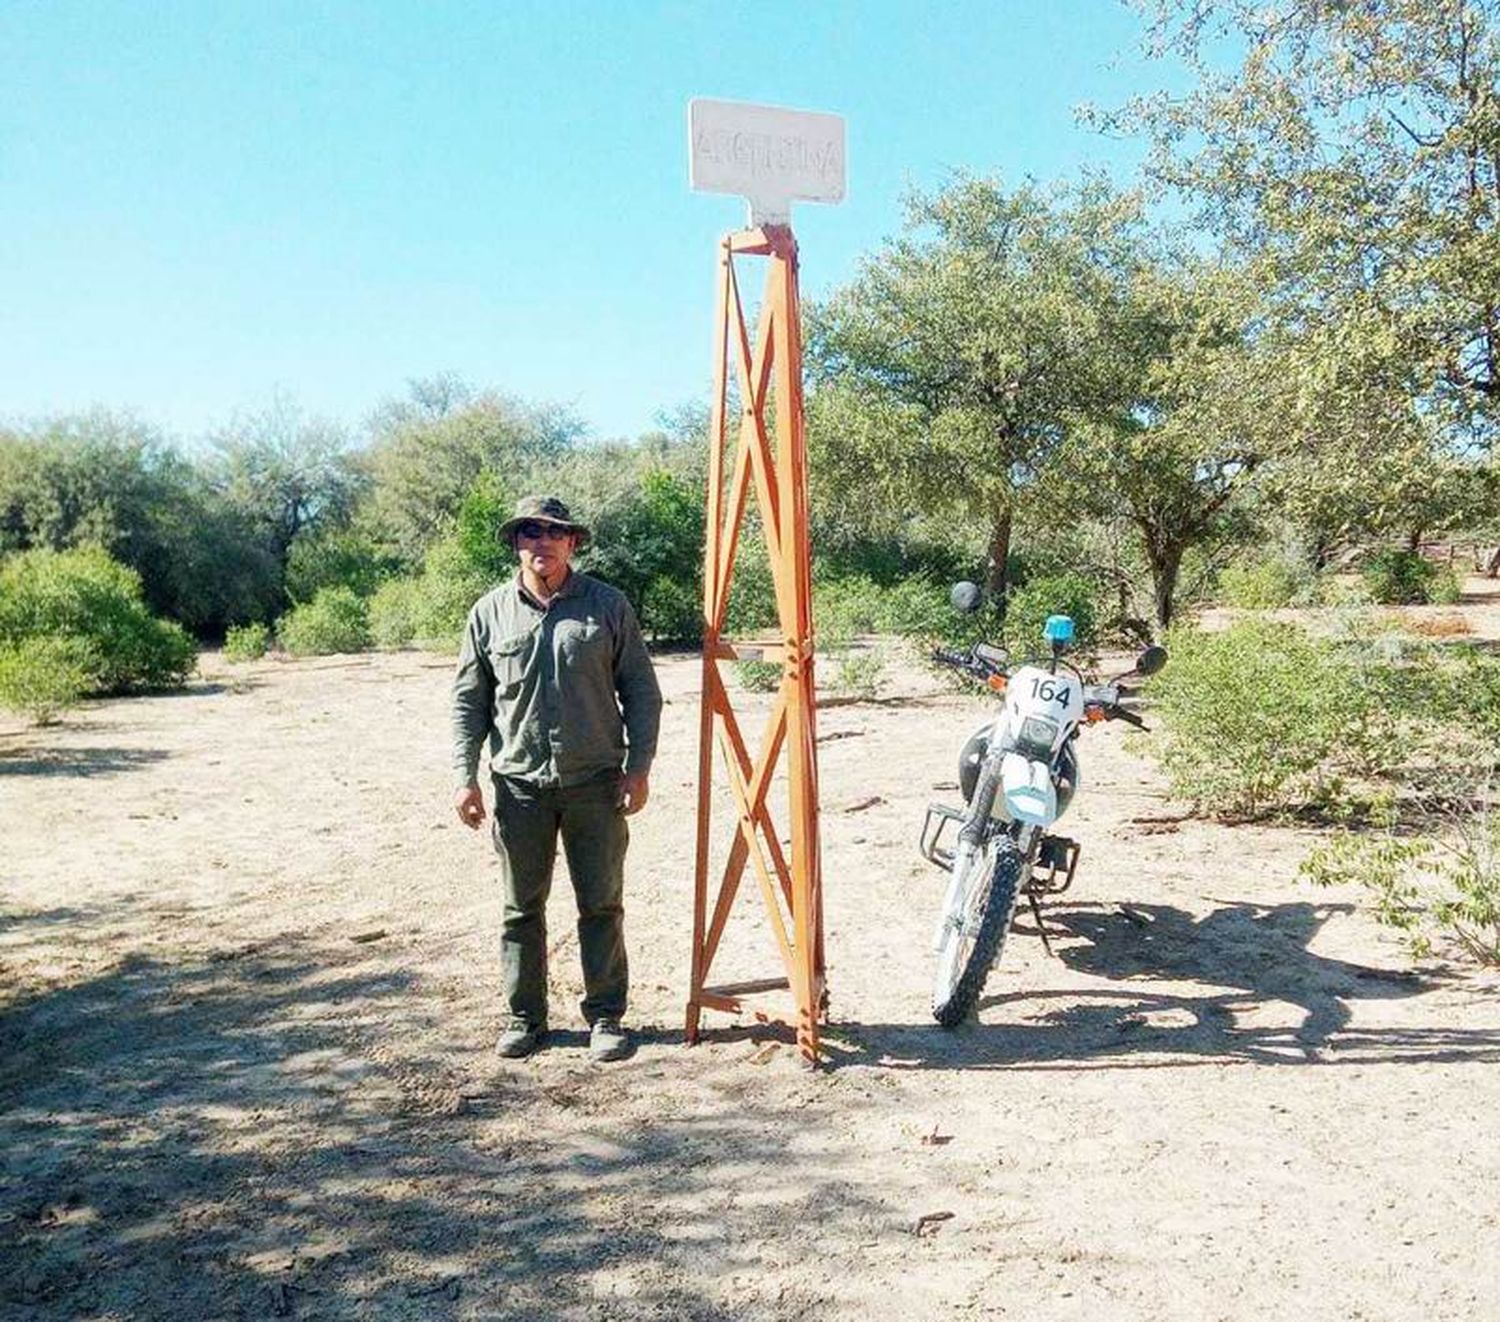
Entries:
{"x":541,"y":509}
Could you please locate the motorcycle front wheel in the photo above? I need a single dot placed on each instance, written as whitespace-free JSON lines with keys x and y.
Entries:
{"x":973,"y":936}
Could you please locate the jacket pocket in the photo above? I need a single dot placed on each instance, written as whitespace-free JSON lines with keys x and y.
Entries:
{"x":508,"y":658}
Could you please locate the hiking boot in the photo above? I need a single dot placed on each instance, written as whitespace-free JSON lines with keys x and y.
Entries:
{"x":608,"y":1040}
{"x":520,"y":1040}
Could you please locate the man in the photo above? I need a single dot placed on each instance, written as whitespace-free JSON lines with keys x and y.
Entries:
{"x":554,"y":671}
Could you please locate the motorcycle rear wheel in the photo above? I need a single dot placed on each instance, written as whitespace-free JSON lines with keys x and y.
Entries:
{"x":970,"y":948}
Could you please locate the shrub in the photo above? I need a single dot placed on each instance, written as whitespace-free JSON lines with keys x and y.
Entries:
{"x":396,"y":612}
{"x":1444,"y":878}
{"x":336,"y":620}
{"x":41,"y":677}
{"x":649,"y":544}
{"x":757,"y":676}
{"x":1262,"y":718}
{"x":336,"y":559}
{"x":1266,"y":584}
{"x":1399,"y":577}
{"x":85,"y":596}
{"x":1059,"y":594}
{"x":859,"y":672}
{"x":1445,"y":589}
{"x":246,"y":642}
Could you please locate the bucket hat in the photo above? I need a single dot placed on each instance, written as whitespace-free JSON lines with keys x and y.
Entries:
{"x":541,"y":509}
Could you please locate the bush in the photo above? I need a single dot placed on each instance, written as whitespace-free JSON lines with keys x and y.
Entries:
{"x":1059,"y":594}
{"x":336,"y":620}
{"x":1263,"y":718}
{"x":1443,"y":879}
{"x":86,"y":597}
{"x":757,"y":676}
{"x":649,"y":544}
{"x":336,"y":559}
{"x":1266,"y":584}
{"x":859,"y":672}
{"x":41,"y":677}
{"x":428,"y":609}
{"x":1445,"y":589}
{"x":1399,"y":577}
{"x":247,"y":642}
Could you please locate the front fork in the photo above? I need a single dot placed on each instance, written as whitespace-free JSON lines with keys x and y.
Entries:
{"x":976,"y":832}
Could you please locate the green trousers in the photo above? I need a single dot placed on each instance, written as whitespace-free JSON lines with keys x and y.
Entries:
{"x":527,"y":823}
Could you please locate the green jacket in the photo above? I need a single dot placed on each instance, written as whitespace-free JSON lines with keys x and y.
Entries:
{"x":565,"y":694}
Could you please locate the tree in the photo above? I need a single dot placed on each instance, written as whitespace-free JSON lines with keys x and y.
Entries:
{"x":424,"y":459}
{"x":103,"y":479}
{"x":288,"y":473}
{"x":1177,"y":458}
{"x":1354,"y":155}
{"x":946,"y":374}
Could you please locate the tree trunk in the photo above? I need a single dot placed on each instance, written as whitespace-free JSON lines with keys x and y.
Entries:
{"x":1166,"y":561}
{"x":999,"y":558}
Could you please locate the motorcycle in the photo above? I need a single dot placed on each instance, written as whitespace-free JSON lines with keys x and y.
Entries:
{"x":1017,"y":773}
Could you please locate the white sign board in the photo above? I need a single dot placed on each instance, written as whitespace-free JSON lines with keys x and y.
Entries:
{"x":766,"y":154}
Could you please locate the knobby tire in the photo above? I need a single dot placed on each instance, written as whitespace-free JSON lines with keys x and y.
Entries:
{"x":1000,"y":907}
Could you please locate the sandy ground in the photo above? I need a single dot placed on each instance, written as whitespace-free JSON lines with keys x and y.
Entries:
{"x":248,"y":989}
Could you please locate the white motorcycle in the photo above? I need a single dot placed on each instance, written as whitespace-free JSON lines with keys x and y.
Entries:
{"x":1018,"y":773}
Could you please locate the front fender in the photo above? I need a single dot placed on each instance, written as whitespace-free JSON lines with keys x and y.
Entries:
{"x":1030,"y":795}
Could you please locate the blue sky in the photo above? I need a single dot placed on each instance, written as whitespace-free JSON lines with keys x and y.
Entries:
{"x":203,"y":203}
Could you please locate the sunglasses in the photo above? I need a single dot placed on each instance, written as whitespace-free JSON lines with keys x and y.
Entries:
{"x":534,"y":531}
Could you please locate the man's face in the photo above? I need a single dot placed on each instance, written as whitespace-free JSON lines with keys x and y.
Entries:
{"x":545,"y":549}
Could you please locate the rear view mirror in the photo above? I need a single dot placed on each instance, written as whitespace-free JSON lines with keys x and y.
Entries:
{"x":966,"y":597}
{"x":1151,"y":660}
{"x":996,"y":656}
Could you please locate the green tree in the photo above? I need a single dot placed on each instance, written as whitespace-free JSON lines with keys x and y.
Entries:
{"x":289,"y":474}
{"x":1354,"y":153}
{"x":1177,"y":458}
{"x":947,"y":373}
{"x":424,"y":458}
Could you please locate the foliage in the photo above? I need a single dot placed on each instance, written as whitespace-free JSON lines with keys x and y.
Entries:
{"x":947,"y":372}
{"x":1062,"y":594}
{"x":1348,"y":157}
{"x":1397,"y":577}
{"x":290,"y":474}
{"x":1442,"y":878}
{"x":247,"y":642}
{"x":428,"y":451}
{"x":648,"y":542}
{"x":106,"y":480}
{"x":1262,"y":718}
{"x":428,"y":609}
{"x":486,"y":505}
{"x":336,"y":620}
{"x":1445,"y":589}
{"x":1267,"y":583}
{"x":84,"y":597}
{"x":41,"y":677}
{"x":336,"y":557}
{"x":1177,"y":455}
{"x":757,"y":676}
{"x":858,"y":671}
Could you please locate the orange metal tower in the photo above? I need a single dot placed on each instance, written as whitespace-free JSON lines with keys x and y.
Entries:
{"x":768,"y":453}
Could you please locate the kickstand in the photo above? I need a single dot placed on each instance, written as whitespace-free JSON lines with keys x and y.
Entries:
{"x":1041,"y":927}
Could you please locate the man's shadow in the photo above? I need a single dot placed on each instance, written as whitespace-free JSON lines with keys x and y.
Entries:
{"x":1237,"y":984}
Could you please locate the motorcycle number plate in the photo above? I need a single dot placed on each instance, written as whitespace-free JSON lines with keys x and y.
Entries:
{"x":1034,"y":692}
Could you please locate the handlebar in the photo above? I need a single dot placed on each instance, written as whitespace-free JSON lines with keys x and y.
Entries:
{"x":1105,"y":697}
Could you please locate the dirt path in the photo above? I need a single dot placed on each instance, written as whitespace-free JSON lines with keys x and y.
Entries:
{"x":247,"y":990}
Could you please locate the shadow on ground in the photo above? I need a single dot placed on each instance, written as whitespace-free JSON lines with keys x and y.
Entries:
{"x":1250,"y":963}
{"x":300,"y":1133}
{"x":76,"y":761}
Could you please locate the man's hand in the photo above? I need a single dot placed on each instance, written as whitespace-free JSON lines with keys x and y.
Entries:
{"x":635,"y":789}
{"x":470,"y":805}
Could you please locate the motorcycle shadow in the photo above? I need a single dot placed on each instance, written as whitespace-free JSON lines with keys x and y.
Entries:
{"x":1236,"y":984}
